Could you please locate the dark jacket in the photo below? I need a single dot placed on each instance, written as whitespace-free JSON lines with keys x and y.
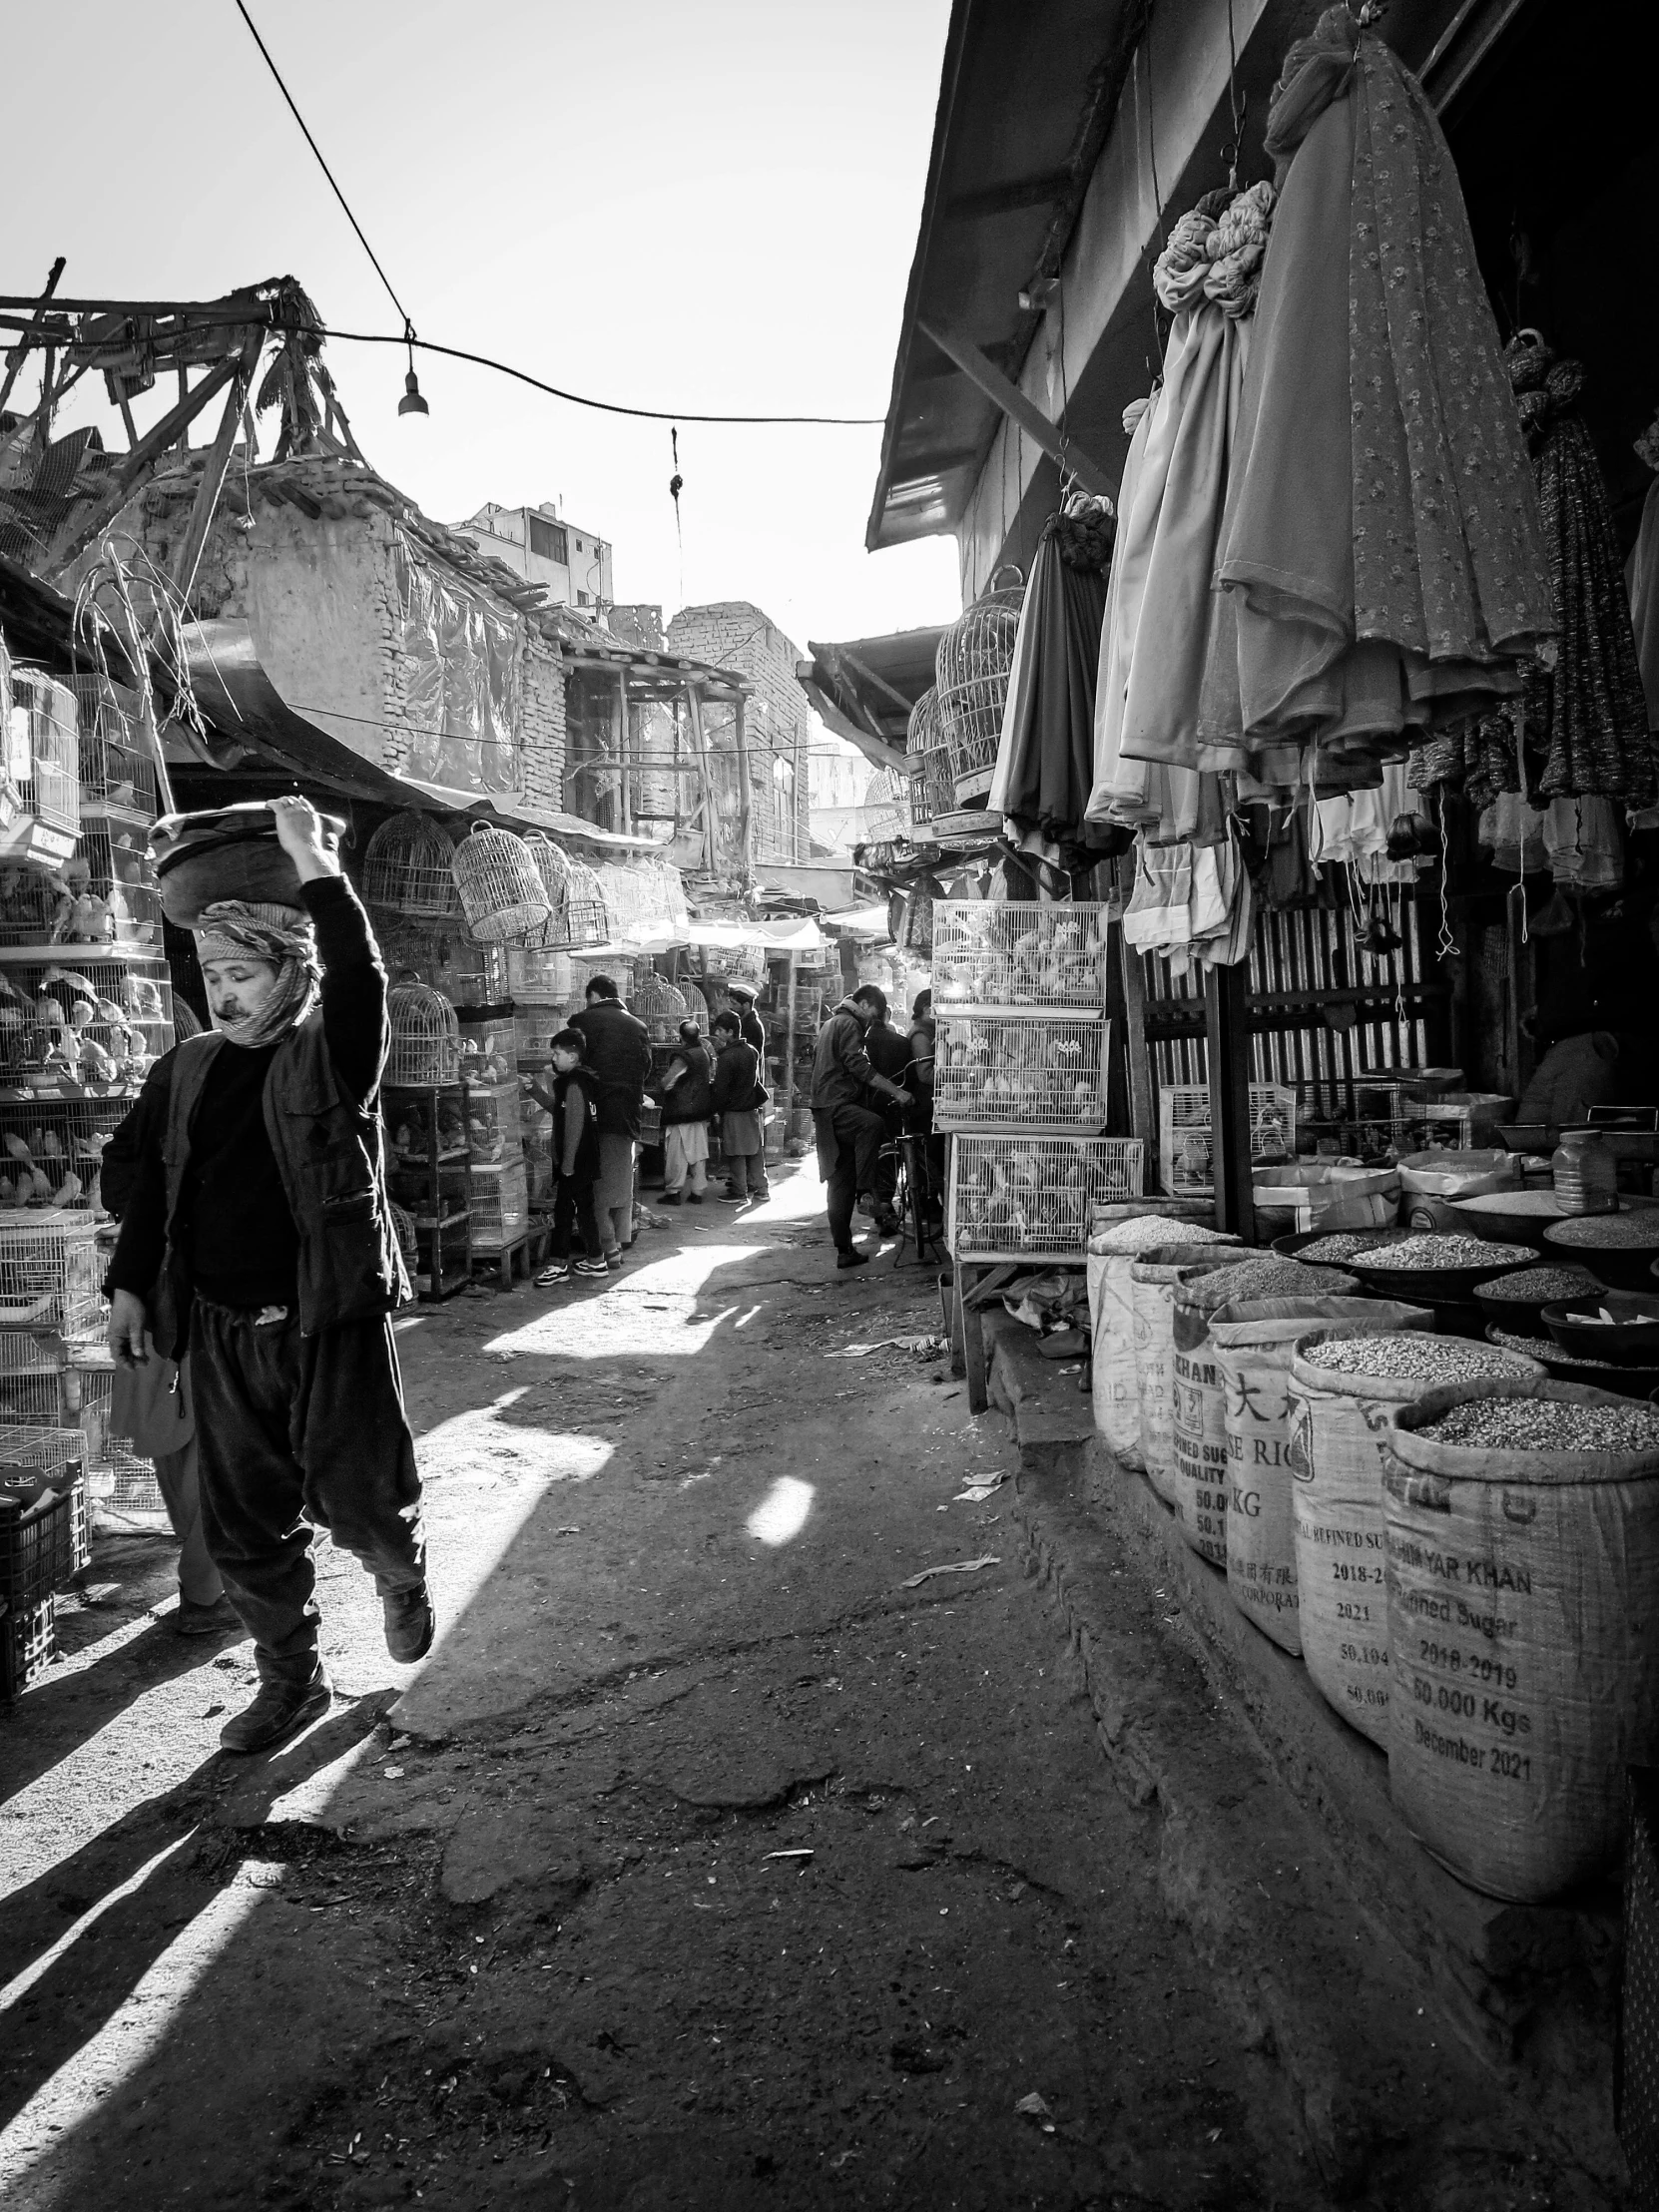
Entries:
{"x":842,"y":1068}
{"x":736,"y":1079}
{"x":688,"y":1099}
{"x":752,"y":1028}
{"x":618,"y":1057}
{"x":889,"y":1053}
{"x":573,"y":1103}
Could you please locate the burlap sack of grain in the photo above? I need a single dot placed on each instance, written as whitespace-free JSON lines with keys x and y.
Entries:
{"x":1252,"y":1340}
{"x":1198,"y":1391}
{"x":1153,"y":1279}
{"x":1340,"y":1427}
{"x":1523,"y":1615}
{"x":1116,"y":1406}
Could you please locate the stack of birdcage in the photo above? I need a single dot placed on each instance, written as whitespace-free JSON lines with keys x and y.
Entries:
{"x":1020,"y":1061}
{"x":117,"y":805}
{"x":497,"y":1179}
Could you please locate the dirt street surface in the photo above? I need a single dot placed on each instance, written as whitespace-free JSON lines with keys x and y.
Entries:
{"x":712,"y":1859}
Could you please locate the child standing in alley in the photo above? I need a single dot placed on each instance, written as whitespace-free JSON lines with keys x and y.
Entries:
{"x":574,"y":1140}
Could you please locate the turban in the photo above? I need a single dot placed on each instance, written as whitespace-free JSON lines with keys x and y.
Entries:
{"x":240,"y":929}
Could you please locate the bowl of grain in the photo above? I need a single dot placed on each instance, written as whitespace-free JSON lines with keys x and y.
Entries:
{"x":1516,"y":1302}
{"x":1438,"y":1266}
{"x":1620,"y":1249}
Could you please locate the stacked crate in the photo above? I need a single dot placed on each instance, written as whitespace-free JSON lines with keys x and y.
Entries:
{"x":1020,"y":1077}
{"x":498,"y":1179}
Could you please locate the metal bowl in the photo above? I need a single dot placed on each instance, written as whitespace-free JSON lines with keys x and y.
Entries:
{"x":1633,"y":1341}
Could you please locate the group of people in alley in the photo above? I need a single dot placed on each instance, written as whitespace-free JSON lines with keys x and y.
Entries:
{"x":256,"y":1269}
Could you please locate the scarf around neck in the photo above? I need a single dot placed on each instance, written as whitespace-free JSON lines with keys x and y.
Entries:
{"x":234,"y":928}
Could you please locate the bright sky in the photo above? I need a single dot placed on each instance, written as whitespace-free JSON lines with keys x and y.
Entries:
{"x":700,"y":204}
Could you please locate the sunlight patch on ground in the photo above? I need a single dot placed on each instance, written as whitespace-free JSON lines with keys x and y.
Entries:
{"x":648,"y":1309}
{"x":781,"y":1514}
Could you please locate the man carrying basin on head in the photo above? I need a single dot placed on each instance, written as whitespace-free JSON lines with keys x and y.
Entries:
{"x":257,"y":1233}
{"x":850,"y":1135}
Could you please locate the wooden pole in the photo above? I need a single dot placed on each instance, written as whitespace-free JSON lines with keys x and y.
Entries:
{"x":20,"y":351}
{"x":1226,"y":1033}
{"x":746,"y":826}
{"x":217,"y":459}
{"x":789,"y":1045}
{"x":1013,"y":402}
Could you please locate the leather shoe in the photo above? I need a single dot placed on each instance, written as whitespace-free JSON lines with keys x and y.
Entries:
{"x":410,"y":1624}
{"x":192,"y":1619}
{"x":852,"y":1257}
{"x":280,"y":1711}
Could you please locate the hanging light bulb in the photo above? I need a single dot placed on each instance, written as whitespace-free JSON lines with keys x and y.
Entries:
{"x":411,"y":402}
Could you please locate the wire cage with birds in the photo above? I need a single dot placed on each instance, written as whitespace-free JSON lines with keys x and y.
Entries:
{"x":112,"y":894}
{"x":43,"y":749}
{"x":52,"y":1147}
{"x":972,"y":666}
{"x":502,"y":893}
{"x":410,"y":869}
{"x":660,"y":1007}
{"x":886,"y":806}
{"x":426,"y":1036}
{"x":122,"y":1495}
{"x":117,"y":767}
{"x":82,"y":1023}
{"x":494,"y":1124}
{"x":575,"y":897}
{"x":51,"y":1271}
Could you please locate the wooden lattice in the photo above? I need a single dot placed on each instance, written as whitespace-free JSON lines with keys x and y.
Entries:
{"x":661,"y":1007}
{"x":577,"y":904}
{"x":410,"y":869}
{"x":502,"y":894}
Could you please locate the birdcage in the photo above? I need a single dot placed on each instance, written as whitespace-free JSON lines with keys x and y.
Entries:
{"x":489,"y":1045}
{"x":886,"y":806}
{"x":494,"y":1126}
{"x":410,"y":869}
{"x":403,"y":1228}
{"x":661,"y":1007}
{"x":631,"y":905}
{"x":82,"y":1020}
{"x":972,"y":664}
{"x":1184,"y":1133}
{"x":58,"y":1141}
{"x":575,"y":899}
{"x":526,"y":975}
{"x":426,"y":1036}
{"x":42,"y":751}
{"x":122,"y":1493}
{"x":500,"y":1201}
{"x":1030,"y":1071}
{"x":502,"y":894}
{"x":117,"y":769}
{"x":620,"y":971}
{"x":122,"y":902}
{"x":536,"y":1134}
{"x":1014,"y":953}
{"x":697,"y":1006}
{"x":735,"y":963}
{"x":32,"y":905}
{"x":534,"y":1029}
{"x":1036,"y":1195}
{"x":50,"y":1271}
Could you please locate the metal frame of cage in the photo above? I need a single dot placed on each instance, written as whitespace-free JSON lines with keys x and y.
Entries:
{"x":1033,"y":1196}
{"x":63,"y":1136}
{"x":971,"y":669}
{"x":122,"y":1489}
{"x":116,"y":850}
{"x":661,"y":1007}
{"x":1184,"y":1110}
{"x":537,"y":974}
{"x":51,"y":1273}
{"x":119,"y":1005}
{"x":410,"y":869}
{"x":425,"y":1037}
{"x":499,"y":1194}
{"x":1013,"y":1067}
{"x":51,"y":791}
{"x":1001,"y":952}
{"x":494,"y":1124}
{"x":116,"y":767}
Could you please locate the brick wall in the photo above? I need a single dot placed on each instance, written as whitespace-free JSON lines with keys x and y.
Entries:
{"x":734,"y":634}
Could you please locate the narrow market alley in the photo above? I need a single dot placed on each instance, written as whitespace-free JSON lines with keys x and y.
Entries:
{"x":707,"y":1861}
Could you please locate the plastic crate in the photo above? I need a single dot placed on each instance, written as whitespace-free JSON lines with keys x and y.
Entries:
{"x":1008,"y":1070}
{"x":997,"y":952}
{"x":1035,"y":1196}
{"x":1184,"y":1116}
{"x":38,"y":1550}
{"x":500,"y":1203}
{"x":28,"y":1646}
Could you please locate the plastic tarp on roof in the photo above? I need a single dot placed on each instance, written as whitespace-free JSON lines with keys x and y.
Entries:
{"x":791,"y":936}
{"x":862,"y":922}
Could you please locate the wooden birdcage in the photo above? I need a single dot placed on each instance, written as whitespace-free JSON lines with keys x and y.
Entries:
{"x":410,"y":869}
{"x":426,"y":1036}
{"x":661,"y":1007}
{"x":575,"y":899}
{"x":44,"y":748}
{"x":620,"y":971}
{"x":974,"y":657}
{"x":886,"y":806}
{"x":697,"y":1006}
{"x":502,"y":894}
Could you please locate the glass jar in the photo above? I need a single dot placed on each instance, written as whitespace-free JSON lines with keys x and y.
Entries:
{"x":1585,"y":1173}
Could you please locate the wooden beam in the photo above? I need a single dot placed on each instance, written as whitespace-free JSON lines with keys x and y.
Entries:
{"x":1142,"y":1118}
{"x":1021,"y":191}
{"x":745,"y":823}
{"x":1021,"y":410}
{"x":20,"y":351}
{"x":87,"y":518}
{"x":1226,"y":1045}
{"x":216,"y":460}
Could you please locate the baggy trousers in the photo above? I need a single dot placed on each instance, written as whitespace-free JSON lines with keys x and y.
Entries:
{"x":296,"y":1433}
{"x":573,"y":1209}
{"x":849,"y":1140}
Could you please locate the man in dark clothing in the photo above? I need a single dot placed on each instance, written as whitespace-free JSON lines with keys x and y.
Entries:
{"x":889,"y":1055}
{"x":683,"y":1093}
{"x":258,"y":1232}
{"x":735,"y":1097}
{"x":618,"y":1058}
{"x":849,"y":1134}
{"x":753,"y":1031}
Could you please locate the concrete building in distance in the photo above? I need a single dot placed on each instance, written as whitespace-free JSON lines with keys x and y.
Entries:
{"x":544,"y":548}
{"x":733,"y":634}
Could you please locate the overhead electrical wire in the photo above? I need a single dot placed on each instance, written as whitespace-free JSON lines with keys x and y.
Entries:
{"x":485,"y":361}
